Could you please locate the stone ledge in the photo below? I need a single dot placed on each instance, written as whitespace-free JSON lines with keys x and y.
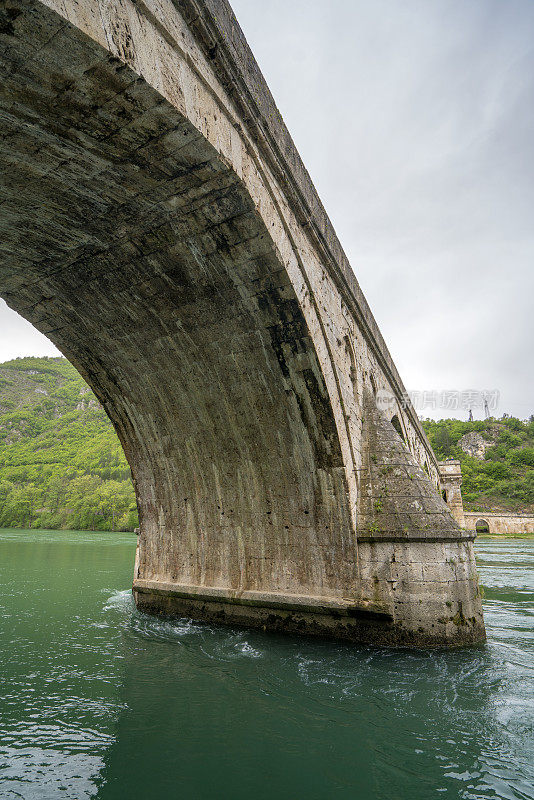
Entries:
{"x":408,"y":538}
{"x":277,"y":600}
{"x":322,"y":622}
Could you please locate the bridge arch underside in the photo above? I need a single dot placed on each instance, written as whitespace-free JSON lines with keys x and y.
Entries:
{"x":128,"y":242}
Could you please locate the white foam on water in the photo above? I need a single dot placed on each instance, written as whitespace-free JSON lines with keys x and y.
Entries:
{"x":245,"y":649}
{"x":121,"y":600}
{"x":164,"y":629}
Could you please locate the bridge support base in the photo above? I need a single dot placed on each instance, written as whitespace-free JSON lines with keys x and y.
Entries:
{"x":348,"y":620}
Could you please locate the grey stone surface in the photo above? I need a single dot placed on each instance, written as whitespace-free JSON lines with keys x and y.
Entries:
{"x":415,"y":559}
{"x":158,"y":225}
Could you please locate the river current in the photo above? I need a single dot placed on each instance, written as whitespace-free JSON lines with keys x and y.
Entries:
{"x":98,"y":701}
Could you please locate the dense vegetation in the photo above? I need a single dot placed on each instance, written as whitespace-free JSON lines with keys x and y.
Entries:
{"x":502,"y":477}
{"x":61,"y":464}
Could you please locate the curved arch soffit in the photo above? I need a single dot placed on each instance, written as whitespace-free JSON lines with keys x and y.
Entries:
{"x":160,"y":282}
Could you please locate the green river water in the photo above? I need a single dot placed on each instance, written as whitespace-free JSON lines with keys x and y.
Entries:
{"x":99,"y":701}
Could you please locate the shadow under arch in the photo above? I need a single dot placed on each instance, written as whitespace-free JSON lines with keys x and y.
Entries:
{"x":139,"y":252}
{"x":482,"y":526}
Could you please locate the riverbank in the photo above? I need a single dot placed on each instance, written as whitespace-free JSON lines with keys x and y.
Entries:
{"x":62,"y":530}
{"x":505,"y":536}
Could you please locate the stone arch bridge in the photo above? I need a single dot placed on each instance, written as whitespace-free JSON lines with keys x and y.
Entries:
{"x":158,"y":225}
{"x":495,"y":523}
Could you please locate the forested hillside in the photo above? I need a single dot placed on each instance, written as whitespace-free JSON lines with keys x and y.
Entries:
{"x":61,"y":464}
{"x":497,"y":457}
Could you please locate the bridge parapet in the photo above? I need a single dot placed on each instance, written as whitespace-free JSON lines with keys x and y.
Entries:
{"x":223,"y":43}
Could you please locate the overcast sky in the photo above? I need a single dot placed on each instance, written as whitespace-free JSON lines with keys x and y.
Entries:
{"x":415,"y":119}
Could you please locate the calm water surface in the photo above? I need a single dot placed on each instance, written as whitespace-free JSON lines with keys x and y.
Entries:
{"x":99,"y":701}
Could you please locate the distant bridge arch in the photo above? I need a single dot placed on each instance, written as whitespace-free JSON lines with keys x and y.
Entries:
{"x":160,"y":228}
{"x":499,"y":523}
